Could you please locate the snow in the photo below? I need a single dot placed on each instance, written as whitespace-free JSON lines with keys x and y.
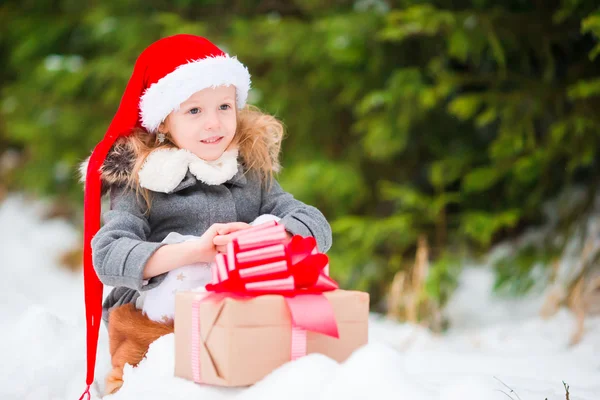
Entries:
{"x":494,"y":342}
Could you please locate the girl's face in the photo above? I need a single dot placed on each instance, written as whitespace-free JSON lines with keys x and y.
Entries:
{"x":205,"y":123}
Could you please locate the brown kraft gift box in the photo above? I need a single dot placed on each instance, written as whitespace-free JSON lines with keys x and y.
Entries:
{"x":244,"y":340}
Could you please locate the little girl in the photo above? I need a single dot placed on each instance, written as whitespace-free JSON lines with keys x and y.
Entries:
{"x":184,"y":155}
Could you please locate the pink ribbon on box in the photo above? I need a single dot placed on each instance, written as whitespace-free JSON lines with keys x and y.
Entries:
{"x":196,"y":341}
{"x":259,"y":262}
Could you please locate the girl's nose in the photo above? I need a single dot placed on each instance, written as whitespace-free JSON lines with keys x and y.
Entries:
{"x":212,"y":121}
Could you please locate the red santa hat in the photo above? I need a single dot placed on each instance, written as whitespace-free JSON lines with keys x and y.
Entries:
{"x":166,"y":74}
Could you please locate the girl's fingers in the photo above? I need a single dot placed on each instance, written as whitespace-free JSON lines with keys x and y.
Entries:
{"x":214,"y":228}
{"x":221,"y":240}
{"x":225,"y":233}
{"x":221,"y":249}
{"x":232,"y":227}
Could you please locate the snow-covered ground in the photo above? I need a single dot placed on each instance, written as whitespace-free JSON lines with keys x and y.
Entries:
{"x":42,"y":342}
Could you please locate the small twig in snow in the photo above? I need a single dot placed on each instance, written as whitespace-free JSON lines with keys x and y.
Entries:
{"x":508,"y":387}
{"x":566,"y":389}
{"x":507,"y":395}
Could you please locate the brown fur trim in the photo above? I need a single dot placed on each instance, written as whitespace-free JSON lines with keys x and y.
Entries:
{"x":117,"y":166}
{"x":119,"y":163}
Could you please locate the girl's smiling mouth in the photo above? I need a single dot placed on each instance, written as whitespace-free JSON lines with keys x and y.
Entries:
{"x":212,"y":140}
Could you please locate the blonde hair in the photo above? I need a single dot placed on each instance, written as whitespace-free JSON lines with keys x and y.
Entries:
{"x":258,"y":138}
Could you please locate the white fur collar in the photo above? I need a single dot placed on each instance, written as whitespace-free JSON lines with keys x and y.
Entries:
{"x":164,"y":169}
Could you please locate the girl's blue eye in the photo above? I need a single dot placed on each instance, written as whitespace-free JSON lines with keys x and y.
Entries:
{"x":225,"y":107}
{"x":194,"y":110}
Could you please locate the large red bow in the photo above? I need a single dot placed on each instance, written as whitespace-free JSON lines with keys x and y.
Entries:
{"x":258,"y":261}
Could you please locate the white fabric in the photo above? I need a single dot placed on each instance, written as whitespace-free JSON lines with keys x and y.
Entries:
{"x":164,"y":169}
{"x":159,"y":303}
{"x":176,"y":87}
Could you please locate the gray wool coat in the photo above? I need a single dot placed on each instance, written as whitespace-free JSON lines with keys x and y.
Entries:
{"x":128,"y":238}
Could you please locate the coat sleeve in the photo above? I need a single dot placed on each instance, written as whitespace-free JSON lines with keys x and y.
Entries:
{"x":119,"y":249}
{"x":297,"y":217}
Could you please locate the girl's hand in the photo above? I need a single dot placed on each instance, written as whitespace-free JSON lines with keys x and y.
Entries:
{"x":205,"y":248}
{"x":289,"y":237}
{"x":221,"y":241}
{"x":202,"y":250}
{"x":226,"y":234}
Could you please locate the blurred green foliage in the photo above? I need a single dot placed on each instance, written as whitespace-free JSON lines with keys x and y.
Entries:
{"x":453,"y":119}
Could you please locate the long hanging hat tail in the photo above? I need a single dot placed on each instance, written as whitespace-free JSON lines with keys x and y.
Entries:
{"x":126,"y":118}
